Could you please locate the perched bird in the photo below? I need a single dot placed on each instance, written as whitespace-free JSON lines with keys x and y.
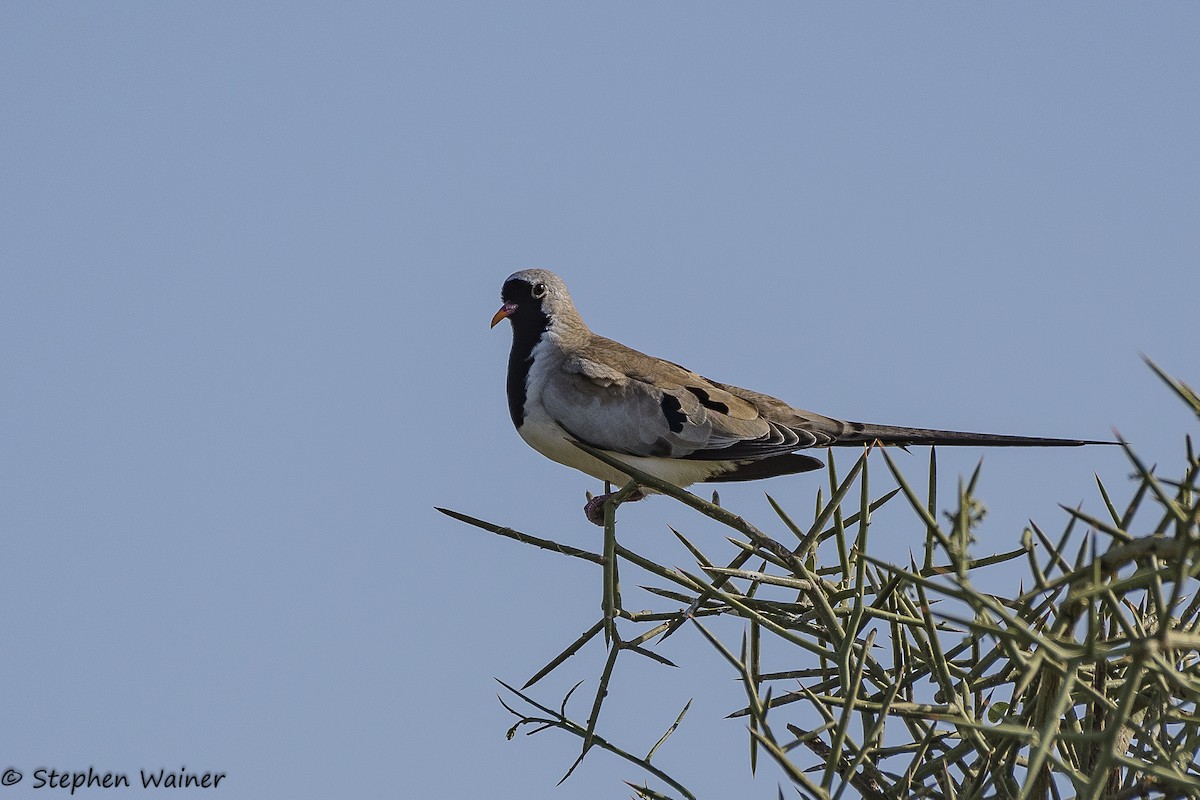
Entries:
{"x":566,"y":383}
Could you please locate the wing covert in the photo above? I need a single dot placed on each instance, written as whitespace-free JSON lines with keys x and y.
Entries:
{"x":649,"y":407}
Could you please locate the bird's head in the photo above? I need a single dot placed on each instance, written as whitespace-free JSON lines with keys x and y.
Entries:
{"x":534,"y":300}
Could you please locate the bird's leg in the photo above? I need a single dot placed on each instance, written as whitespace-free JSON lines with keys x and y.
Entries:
{"x":594,"y":508}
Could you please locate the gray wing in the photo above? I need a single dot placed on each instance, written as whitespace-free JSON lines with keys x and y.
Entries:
{"x":615,"y":398}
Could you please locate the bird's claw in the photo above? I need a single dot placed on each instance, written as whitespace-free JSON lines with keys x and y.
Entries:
{"x":594,"y":508}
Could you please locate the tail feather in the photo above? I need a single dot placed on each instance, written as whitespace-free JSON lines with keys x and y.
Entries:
{"x":859,"y":433}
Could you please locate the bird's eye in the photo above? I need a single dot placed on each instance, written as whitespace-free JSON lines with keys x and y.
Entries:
{"x":539,"y":290}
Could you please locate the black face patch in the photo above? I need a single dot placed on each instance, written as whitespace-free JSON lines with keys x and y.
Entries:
{"x":672,"y":410}
{"x":529,"y":322}
{"x":520,"y":293}
{"x":711,"y":405}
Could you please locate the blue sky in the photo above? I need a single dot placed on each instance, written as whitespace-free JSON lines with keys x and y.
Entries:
{"x":248,"y":253}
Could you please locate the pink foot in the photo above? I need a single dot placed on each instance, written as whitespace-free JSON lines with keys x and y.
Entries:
{"x":594,"y":508}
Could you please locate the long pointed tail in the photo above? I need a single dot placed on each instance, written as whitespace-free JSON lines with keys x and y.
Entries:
{"x":858,"y":433}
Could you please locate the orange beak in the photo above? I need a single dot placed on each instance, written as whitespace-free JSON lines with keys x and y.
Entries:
{"x":506,"y":310}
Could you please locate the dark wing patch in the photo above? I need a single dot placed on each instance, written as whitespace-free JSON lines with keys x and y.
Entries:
{"x":712,"y":405}
{"x":673,"y":411}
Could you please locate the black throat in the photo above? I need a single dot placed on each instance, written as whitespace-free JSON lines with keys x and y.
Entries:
{"x":529,"y":323}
